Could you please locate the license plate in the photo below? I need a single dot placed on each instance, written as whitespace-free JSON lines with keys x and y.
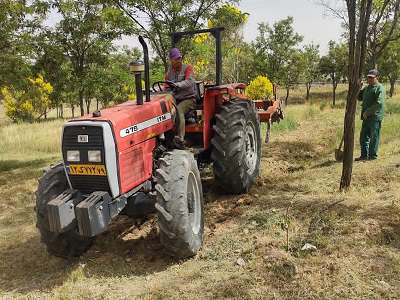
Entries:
{"x":91,"y":170}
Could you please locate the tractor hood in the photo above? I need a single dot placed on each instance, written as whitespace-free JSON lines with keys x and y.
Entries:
{"x":132,"y":123}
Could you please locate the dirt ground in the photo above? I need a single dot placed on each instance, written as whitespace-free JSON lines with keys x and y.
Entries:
{"x":253,"y":243}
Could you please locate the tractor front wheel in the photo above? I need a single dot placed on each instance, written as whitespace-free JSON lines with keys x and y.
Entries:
{"x":67,"y":244}
{"x":236,"y":144}
{"x":179,"y":204}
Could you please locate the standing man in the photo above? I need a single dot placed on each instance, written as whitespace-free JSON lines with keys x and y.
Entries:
{"x":373,"y":99}
{"x":182,"y":76}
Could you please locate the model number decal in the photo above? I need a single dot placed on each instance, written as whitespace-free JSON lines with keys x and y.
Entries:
{"x":144,"y":125}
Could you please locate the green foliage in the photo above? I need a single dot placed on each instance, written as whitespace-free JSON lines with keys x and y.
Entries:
{"x":310,"y":56}
{"x":85,"y":35}
{"x":158,"y":19}
{"x":30,"y":104}
{"x":19,"y":21}
{"x":276,"y":50}
{"x":230,"y":17}
{"x":259,"y":88}
{"x":310,"y":65}
{"x":334,"y":64}
{"x":237,"y":55}
{"x":389,"y":64}
{"x":113,"y":83}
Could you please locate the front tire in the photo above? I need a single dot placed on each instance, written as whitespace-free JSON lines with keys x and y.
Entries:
{"x":67,"y":244}
{"x":236,"y":144}
{"x":180,"y":204}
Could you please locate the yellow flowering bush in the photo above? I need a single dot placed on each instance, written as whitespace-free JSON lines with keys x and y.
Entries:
{"x":201,"y":38}
{"x":30,"y":103}
{"x":228,"y":15}
{"x":259,"y":88}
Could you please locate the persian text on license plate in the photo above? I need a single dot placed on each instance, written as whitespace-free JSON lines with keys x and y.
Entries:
{"x":93,"y":170}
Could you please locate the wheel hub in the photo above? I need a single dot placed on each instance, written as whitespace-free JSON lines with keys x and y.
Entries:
{"x":251,"y":148}
{"x":194,"y":204}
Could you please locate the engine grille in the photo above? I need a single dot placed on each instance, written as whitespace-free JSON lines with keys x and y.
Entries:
{"x":86,"y":183}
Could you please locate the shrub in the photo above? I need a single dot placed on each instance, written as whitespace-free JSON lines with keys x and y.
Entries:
{"x":259,"y":88}
{"x":28,"y":104}
{"x":286,"y":125}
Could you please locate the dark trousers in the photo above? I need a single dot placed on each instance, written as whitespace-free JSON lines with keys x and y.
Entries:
{"x":370,"y":137}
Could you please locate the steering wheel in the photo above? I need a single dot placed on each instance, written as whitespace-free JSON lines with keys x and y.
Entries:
{"x":172,"y":86}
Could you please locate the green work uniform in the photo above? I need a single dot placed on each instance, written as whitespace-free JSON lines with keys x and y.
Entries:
{"x":373,"y":99}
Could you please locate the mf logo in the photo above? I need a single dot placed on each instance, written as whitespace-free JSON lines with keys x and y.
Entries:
{"x":83,"y":138}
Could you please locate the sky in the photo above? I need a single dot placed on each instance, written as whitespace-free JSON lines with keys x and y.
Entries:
{"x":310,"y":19}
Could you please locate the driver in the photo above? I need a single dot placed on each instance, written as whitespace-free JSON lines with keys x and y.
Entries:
{"x":182,"y":76}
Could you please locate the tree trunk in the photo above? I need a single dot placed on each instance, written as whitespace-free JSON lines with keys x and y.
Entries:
{"x":334,"y":86}
{"x":357,"y":49}
{"x":97,"y":104}
{"x":45,"y":113}
{"x":81,"y":102}
{"x":287,"y":96}
{"x":392,"y":87}
{"x":61,"y":111}
{"x":308,"y":86}
{"x":88,"y":101}
{"x":73,"y":111}
{"x":57,"y":111}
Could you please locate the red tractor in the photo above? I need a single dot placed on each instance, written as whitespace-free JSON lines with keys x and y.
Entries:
{"x":120,"y":160}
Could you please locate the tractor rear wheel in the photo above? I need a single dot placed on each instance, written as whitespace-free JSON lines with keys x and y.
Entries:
{"x":179,"y":204}
{"x":67,"y":244}
{"x":236,"y":144}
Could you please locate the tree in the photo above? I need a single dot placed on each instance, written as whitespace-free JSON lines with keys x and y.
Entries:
{"x":86,"y":33}
{"x":334,"y":65}
{"x":201,"y":53}
{"x":156,"y":20}
{"x":359,"y":13}
{"x":113,"y":83}
{"x":291,"y":72}
{"x":19,"y":21}
{"x":383,"y":24}
{"x":310,"y":58}
{"x":234,"y":52}
{"x":276,"y":47}
{"x":383,"y":28}
{"x":361,"y":19}
{"x":389,"y":65}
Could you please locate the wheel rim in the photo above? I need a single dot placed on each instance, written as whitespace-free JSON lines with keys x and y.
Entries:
{"x":194,"y":203}
{"x":251,"y":148}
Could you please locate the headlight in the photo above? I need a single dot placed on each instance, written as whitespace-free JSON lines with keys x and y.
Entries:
{"x":73,"y":155}
{"x":94,"y":155}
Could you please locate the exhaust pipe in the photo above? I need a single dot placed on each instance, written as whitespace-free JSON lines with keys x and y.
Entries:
{"x":137,"y":68}
{"x":146,"y":67}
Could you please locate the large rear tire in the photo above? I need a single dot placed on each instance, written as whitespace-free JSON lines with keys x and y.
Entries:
{"x":236,"y":144}
{"x":68,"y":244}
{"x":180,"y":204}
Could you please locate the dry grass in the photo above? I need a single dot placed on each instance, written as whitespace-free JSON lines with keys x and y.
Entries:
{"x":357,"y":240}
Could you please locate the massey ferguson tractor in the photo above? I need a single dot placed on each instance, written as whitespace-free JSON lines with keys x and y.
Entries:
{"x":121,"y":160}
